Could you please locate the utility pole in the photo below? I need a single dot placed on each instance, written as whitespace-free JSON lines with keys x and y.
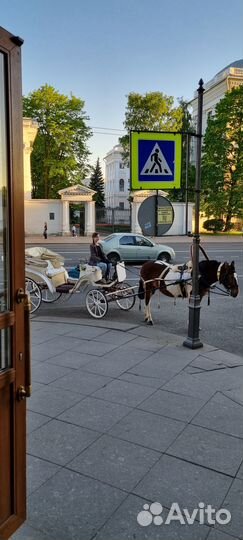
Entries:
{"x":192,"y":341}
{"x":187,"y":166}
{"x":156,"y":213}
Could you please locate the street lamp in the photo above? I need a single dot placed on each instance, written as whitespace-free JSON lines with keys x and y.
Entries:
{"x":192,"y":341}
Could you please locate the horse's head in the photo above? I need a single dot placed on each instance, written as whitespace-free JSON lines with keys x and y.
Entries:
{"x":228,"y":277}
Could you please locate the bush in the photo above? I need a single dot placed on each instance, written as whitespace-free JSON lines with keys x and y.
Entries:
{"x":214,"y":225}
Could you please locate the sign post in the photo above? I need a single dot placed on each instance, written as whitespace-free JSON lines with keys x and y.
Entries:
{"x":192,"y":341}
{"x":156,"y":213}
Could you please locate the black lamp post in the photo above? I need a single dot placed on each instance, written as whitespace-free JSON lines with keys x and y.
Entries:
{"x":192,"y":341}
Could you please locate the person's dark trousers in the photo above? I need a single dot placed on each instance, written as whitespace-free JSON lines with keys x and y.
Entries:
{"x":108,"y":267}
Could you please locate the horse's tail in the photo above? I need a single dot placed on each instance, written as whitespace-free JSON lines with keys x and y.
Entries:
{"x":141,"y":291}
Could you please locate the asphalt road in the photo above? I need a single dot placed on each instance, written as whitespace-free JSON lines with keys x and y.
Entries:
{"x":218,"y":250}
{"x":221,"y":322}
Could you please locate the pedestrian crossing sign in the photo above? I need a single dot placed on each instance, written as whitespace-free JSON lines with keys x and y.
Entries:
{"x":155,"y":160}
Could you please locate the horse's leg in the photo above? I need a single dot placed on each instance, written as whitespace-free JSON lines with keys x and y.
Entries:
{"x":146,"y":304}
{"x":149,"y":315}
{"x":146,"y":312}
{"x":150,"y":320}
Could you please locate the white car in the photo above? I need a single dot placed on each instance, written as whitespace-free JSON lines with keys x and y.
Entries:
{"x":131,"y":247}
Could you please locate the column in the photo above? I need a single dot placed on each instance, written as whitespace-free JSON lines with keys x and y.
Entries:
{"x":89,"y":218}
{"x":30,"y":128}
{"x":65,"y":218}
{"x":27,"y":173}
{"x":136,"y":229}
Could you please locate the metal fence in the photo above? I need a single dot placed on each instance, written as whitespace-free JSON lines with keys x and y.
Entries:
{"x":109,"y":220}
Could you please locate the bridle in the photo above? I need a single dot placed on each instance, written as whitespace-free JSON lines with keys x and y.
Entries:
{"x":219,"y":271}
{"x":213,"y":286}
{"x":221,"y":281}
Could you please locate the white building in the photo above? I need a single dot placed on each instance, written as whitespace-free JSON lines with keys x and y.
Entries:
{"x":117,"y":183}
{"x":228,"y":78}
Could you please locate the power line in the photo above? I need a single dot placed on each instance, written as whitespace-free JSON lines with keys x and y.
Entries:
{"x":105,"y":133}
{"x":106,"y":128}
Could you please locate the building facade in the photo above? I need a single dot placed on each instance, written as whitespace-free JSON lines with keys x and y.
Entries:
{"x":228,"y":78}
{"x":117,"y":183}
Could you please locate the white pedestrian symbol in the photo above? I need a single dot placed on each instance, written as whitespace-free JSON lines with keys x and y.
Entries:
{"x":156,"y":164}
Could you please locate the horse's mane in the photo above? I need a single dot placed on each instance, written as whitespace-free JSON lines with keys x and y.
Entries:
{"x":208,"y":266}
{"x":207,"y":273}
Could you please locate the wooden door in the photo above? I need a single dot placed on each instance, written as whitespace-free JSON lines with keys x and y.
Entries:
{"x":14,"y":340}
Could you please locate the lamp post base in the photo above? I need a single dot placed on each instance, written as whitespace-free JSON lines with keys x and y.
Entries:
{"x":192,"y":343}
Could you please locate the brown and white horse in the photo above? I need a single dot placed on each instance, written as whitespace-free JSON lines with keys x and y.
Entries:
{"x":177,"y":281}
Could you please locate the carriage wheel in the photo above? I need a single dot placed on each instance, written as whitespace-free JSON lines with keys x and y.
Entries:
{"x":34,"y":291}
{"x":125,"y":300}
{"x":96,"y":303}
{"x":48,"y":296}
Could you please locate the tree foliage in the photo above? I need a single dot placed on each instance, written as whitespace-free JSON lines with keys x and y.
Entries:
{"x":60,"y":151}
{"x":153,"y":111}
{"x":97,"y":184}
{"x":222,"y":162}
{"x":214,"y":225}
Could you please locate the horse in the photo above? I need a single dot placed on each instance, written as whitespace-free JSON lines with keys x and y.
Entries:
{"x":176,"y":281}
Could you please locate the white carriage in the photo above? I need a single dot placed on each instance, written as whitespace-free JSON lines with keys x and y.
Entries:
{"x":47,"y":280}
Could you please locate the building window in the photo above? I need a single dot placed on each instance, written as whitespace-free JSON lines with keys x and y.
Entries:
{"x":51,"y":216}
{"x":121,"y":184}
{"x":121,"y":165}
{"x":209,"y":114}
{"x":121,"y":205}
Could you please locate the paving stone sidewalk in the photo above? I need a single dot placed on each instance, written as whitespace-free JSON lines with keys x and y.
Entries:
{"x":123,"y":417}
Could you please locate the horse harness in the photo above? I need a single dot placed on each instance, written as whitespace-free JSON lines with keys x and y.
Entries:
{"x":182,"y":282}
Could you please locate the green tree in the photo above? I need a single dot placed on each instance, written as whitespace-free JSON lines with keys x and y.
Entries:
{"x":60,"y":151}
{"x":97,"y":184}
{"x":153,"y":111}
{"x":222,"y":162}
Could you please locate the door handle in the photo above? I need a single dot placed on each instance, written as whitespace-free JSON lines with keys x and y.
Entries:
{"x":20,"y":296}
{"x":24,"y":391}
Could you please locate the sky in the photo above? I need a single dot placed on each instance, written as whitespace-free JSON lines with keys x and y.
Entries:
{"x":101,"y":50}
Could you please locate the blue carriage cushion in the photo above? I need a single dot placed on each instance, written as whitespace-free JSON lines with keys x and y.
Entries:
{"x":74,"y":272}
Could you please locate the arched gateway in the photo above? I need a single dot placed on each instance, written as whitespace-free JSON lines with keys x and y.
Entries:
{"x":56,"y":212}
{"x":78,"y":194}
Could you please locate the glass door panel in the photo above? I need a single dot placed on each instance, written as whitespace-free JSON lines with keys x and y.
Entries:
{"x":4,"y":247}
{"x":5,"y":349}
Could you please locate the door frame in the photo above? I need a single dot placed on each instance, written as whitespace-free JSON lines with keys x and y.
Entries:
{"x":10,"y":46}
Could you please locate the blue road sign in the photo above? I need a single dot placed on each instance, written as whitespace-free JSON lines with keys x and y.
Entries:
{"x":156,"y":160}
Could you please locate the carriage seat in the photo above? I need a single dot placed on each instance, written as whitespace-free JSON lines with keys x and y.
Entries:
{"x":45,"y":254}
{"x":48,"y":263}
{"x":92,"y":273}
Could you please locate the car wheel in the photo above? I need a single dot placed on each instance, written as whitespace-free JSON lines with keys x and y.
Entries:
{"x":113,"y":258}
{"x":164,"y":256}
